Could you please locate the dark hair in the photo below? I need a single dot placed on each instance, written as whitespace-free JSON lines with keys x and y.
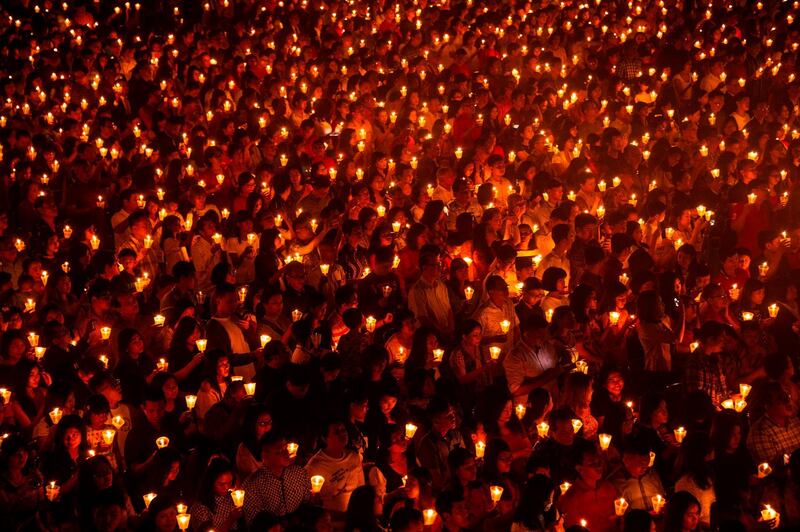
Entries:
{"x":205,"y":491}
{"x":361,"y":509}
{"x":694,"y":450}
{"x":535,"y":494}
{"x":637,"y":521}
{"x":677,"y":506}
{"x":722,"y":428}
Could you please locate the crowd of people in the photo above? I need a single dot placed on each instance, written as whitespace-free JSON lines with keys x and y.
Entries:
{"x":301,"y":265}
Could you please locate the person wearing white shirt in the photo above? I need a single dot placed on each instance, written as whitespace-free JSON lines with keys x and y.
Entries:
{"x":339,"y":466}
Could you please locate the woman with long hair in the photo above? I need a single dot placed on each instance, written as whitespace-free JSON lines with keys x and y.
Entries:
{"x":31,"y":393}
{"x":682,"y":513}
{"x":535,"y":510}
{"x":363,"y":511}
{"x":497,"y":464}
{"x":95,"y":475}
{"x":258,"y":422}
{"x":212,"y":389}
{"x":242,"y":246}
{"x":185,"y":360}
{"x":135,"y":369}
{"x":732,"y":467}
{"x":61,"y":465}
{"x":214,"y":504}
{"x":577,"y":395}
{"x":497,"y":412}
{"x":695,"y":472}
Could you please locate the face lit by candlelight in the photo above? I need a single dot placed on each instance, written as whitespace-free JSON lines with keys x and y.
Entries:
{"x":223,"y":483}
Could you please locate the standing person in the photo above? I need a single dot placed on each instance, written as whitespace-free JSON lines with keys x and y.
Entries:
{"x":590,"y":496}
{"x":704,"y":370}
{"x":428,"y":298}
{"x":279,"y":486}
{"x":214,"y":507}
{"x":340,"y":467}
{"x":532,"y":363}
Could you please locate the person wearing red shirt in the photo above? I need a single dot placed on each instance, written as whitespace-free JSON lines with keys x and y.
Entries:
{"x":590,"y":496}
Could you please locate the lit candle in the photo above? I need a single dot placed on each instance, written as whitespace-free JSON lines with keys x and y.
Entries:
{"x":148,"y":498}
{"x":297,"y":314}
{"x":680,"y":434}
{"x":159,"y":320}
{"x":45,"y":276}
{"x":494,"y":352}
{"x":191,"y":400}
{"x":183,"y":521}
{"x":371,"y":322}
{"x":744,"y":390}
{"x":605,"y":441}
{"x":747,"y":316}
{"x":576,"y":425}
{"x":108,"y":436}
{"x":564,"y":487}
{"x":39,"y":352}
{"x":55,"y":415}
{"x":5,"y":393}
{"x":201,"y":344}
{"x":148,"y":242}
{"x":768,"y":514}
{"x":105,"y":333}
{"x":658,"y":503}
{"x":520,"y":410}
{"x":118,"y":422}
{"x":620,"y":506}
{"x":773,"y":310}
{"x":469,"y":292}
{"x":505,"y":326}
{"x":751,"y":198}
{"x":411,"y":429}
{"x":543,"y":429}
{"x":52,"y":490}
{"x":33,"y":339}
{"x":734,"y":292}
{"x":480,"y":448}
{"x":613,"y":317}
{"x":292,"y":448}
{"x":67,"y":231}
{"x":238,"y":498}
{"x":438,"y":355}
{"x":496,"y":493}
{"x":250,"y":388}
{"x":429,"y":516}
{"x":764,"y":470}
{"x":265,"y":339}
{"x":162,"y":442}
{"x":162,"y":364}
{"x":316,"y":483}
